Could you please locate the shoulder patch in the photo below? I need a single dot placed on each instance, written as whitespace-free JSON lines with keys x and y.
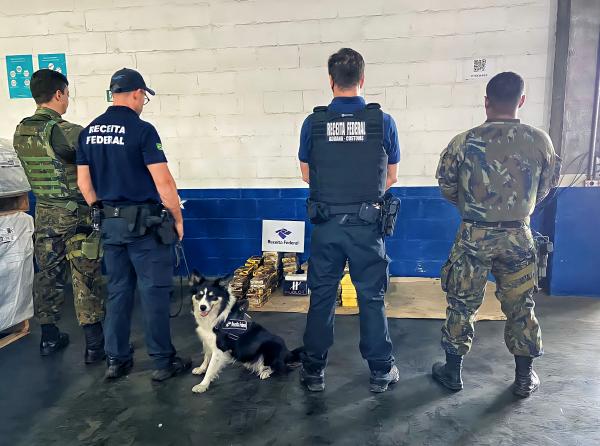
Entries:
{"x":159,"y":146}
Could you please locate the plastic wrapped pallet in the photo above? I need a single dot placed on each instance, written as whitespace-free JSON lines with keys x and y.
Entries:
{"x":16,"y":268}
{"x":13,"y":181}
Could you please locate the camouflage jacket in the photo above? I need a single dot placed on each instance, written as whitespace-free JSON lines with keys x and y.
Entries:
{"x":63,"y":140}
{"x":498,"y":171}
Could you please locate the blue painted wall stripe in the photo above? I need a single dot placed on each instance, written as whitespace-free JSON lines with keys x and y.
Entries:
{"x":223,"y":227}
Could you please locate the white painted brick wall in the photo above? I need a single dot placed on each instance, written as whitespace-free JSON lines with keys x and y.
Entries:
{"x":236,"y":79}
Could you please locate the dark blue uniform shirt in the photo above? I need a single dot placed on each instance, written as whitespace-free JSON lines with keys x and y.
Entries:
{"x":118,"y":146}
{"x":351,"y":105}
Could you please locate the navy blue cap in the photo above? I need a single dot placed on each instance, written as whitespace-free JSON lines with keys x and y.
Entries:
{"x":127,"y":79}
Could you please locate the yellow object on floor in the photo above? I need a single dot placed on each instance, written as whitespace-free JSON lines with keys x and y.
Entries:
{"x":349,"y":297}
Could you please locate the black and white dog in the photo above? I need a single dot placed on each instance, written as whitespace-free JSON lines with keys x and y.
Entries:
{"x":228,"y":335}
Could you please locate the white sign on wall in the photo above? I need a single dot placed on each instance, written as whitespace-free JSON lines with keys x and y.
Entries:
{"x":283,"y":235}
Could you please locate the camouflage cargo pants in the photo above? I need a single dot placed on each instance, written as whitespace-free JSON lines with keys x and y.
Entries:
{"x":509,"y":254}
{"x":55,"y":228}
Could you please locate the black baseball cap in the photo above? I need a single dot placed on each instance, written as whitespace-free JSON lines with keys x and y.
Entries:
{"x":127,"y":79}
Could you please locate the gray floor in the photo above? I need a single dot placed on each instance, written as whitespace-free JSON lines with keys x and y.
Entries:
{"x":58,"y":400}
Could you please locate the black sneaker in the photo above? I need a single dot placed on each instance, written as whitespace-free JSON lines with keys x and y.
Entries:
{"x":177,"y":366}
{"x":117,"y":369}
{"x":50,"y":346}
{"x":314,"y":382}
{"x":381,"y":380}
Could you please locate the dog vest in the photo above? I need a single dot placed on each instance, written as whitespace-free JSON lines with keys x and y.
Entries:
{"x":236,"y":324}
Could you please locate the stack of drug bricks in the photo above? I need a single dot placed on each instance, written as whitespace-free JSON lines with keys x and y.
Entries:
{"x":289,"y":263}
{"x":264,"y":280}
{"x":348,"y":292}
{"x":241,"y":277}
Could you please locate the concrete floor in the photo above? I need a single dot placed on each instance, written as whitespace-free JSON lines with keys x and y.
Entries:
{"x":58,"y":400}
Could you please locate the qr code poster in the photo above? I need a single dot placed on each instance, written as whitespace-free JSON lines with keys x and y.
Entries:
{"x":477,"y":68}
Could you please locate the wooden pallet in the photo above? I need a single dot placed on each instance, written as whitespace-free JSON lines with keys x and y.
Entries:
{"x":14,"y":333}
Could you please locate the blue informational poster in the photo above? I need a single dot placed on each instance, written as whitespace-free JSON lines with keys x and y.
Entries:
{"x":56,"y":62}
{"x":19,"y":70}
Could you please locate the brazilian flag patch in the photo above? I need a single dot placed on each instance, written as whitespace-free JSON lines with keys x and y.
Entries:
{"x":159,"y":146}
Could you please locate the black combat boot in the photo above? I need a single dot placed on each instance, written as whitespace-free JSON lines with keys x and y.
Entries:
{"x":52,"y":340}
{"x":449,"y":374}
{"x":526,"y":380}
{"x":380,"y":381}
{"x":94,"y":343}
{"x":313,"y":380}
{"x":117,"y":368}
{"x":177,"y":366}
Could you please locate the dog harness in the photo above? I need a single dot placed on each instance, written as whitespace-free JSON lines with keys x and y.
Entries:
{"x":236,"y":324}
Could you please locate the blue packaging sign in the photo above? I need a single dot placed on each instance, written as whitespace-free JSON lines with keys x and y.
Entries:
{"x":19,"y":70}
{"x":56,"y":62}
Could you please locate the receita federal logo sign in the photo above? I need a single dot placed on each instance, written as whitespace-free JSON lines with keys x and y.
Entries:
{"x":283,"y":236}
{"x":283,"y":233}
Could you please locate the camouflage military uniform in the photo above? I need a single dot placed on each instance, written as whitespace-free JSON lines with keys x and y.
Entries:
{"x":496,"y":172}
{"x":62,"y":220}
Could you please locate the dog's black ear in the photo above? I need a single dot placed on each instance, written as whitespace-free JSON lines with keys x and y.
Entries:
{"x":196,"y":278}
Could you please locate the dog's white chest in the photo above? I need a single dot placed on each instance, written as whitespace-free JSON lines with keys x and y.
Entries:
{"x":207,"y":335}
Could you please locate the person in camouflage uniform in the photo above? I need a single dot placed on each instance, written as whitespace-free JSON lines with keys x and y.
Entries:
{"x":46,"y":146}
{"x":495,"y":174}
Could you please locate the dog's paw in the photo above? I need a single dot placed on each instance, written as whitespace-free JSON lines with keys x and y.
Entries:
{"x":265,"y":373}
{"x":199,"y":370}
{"x":200,"y":388}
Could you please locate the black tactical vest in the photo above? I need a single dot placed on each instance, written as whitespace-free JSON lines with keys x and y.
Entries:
{"x":348,"y":163}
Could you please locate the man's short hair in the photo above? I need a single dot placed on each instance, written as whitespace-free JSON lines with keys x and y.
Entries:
{"x":45,"y":83}
{"x":346,"y":68}
{"x":504,"y":91}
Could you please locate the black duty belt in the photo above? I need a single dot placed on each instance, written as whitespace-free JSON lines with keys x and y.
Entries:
{"x":338,"y":209}
{"x":111,"y":211}
{"x":137,"y":216}
{"x":496,"y":224}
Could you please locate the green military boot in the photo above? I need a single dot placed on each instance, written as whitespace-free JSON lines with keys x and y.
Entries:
{"x":526,"y":380}
{"x":449,"y":374}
